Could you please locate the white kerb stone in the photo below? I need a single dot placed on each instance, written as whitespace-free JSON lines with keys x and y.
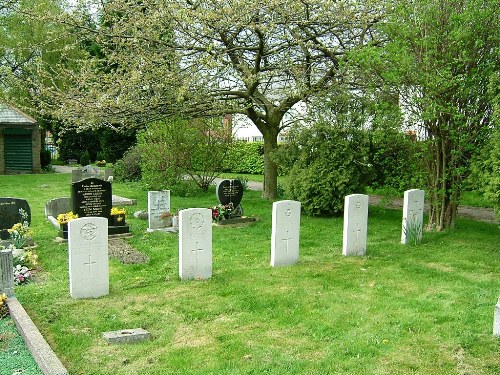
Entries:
{"x":158,"y":204}
{"x":496,"y":320}
{"x":355,"y":225}
{"x":195,"y":243}
{"x":88,"y":257}
{"x":285,"y":234}
{"x":413,"y":216}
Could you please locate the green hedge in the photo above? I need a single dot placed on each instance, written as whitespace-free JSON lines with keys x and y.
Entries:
{"x":245,"y":157}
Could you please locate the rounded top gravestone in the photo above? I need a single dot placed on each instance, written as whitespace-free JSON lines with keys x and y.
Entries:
{"x":229,"y":191}
{"x":10,"y":215}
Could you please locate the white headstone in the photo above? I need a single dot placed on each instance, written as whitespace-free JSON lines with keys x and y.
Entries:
{"x":285,"y":233}
{"x":158,"y":204}
{"x":413,"y":216}
{"x":195,"y":243}
{"x":88,"y":257}
{"x":355,"y":224}
{"x":496,"y":320}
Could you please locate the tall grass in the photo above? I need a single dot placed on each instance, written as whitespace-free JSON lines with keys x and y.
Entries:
{"x":399,"y":310}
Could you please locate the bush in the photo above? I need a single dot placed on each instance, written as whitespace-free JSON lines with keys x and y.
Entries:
{"x":328,"y":164}
{"x":114,"y":144}
{"x":245,"y":157}
{"x":73,"y":145}
{"x":396,"y":161}
{"x":45,"y":159}
{"x":85,"y":158}
{"x":129,"y":168}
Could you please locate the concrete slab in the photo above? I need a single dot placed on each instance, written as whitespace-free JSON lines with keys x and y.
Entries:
{"x":126,"y":335}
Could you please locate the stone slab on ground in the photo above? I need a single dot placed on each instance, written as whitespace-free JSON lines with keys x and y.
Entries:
{"x":43,"y":354}
{"x":126,"y":335}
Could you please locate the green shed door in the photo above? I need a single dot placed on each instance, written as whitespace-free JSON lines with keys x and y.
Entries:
{"x":18,"y":150}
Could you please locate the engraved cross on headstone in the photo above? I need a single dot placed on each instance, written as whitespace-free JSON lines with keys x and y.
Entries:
{"x":90,"y":263}
{"x":287,"y":239}
{"x":196,"y":250}
{"x":358,"y":232}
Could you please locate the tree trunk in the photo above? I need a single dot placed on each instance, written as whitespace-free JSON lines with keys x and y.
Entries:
{"x":444,"y":187}
{"x":270,"y":167}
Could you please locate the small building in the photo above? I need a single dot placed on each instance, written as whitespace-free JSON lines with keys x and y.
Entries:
{"x":20,"y":142}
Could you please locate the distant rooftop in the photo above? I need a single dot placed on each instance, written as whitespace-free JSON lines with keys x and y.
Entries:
{"x":10,"y":115}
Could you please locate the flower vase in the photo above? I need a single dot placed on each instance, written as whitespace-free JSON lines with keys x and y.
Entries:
{"x":63,"y":231}
{"x":117,"y":220}
{"x":17,"y":252}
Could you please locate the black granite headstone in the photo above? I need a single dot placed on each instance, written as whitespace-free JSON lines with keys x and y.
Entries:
{"x":9,"y":214}
{"x":92,"y":197}
{"x":229,"y":191}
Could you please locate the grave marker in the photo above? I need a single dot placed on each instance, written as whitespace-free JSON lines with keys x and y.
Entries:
{"x":413,"y":216}
{"x":92,"y":197}
{"x":229,"y":191}
{"x":9,"y":214}
{"x":88,"y":257}
{"x":6,"y":273}
{"x":355,"y":224}
{"x":158,"y":204}
{"x":496,"y":320}
{"x":195,"y":243}
{"x":285,"y":233}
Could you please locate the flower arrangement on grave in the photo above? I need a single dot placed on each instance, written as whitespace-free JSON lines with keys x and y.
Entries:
{"x":118,"y":215}
{"x":166,"y":217}
{"x":22,"y":275}
{"x":65,"y":217}
{"x":20,"y":232}
{"x":222,"y":212}
{"x":28,"y":259}
{"x":4,"y":310}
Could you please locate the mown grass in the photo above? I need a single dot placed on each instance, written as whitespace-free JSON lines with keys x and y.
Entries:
{"x":425,"y":309}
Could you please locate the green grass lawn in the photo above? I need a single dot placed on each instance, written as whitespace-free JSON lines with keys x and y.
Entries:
{"x":424,"y":309}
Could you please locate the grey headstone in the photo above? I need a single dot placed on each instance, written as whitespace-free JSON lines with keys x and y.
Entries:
{"x":158,"y":204}
{"x":195,"y":243}
{"x":57,"y":206}
{"x":88,"y":257}
{"x":285,"y":234}
{"x":496,"y":320}
{"x":355,"y":224}
{"x":6,"y":273}
{"x":413,"y":216}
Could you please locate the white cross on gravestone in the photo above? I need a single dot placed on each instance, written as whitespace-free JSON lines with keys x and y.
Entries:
{"x":90,"y":263}
{"x":355,"y":224}
{"x":195,"y":228}
{"x":287,"y":239}
{"x":196,"y":250}
{"x":413,"y":216}
{"x":285,"y":233}
{"x":88,"y":257}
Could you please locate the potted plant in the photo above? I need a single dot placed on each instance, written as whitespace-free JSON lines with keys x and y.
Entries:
{"x":118,"y":216}
{"x":63,"y":220}
{"x":166,"y":217}
{"x":19,"y":234}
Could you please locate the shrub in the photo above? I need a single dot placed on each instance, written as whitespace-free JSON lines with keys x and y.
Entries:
{"x":85,"y":158}
{"x":45,"y":159}
{"x":245,"y":157}
{"x":328,"y":164}
{"x":73,"y":145}
{"x":396,"y":161}
{"x":114,"y":144}
{"x":129,"y":168}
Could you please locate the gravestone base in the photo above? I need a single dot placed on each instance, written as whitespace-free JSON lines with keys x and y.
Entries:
{"x":126,"y":335}
{"x":236,"y":222}
{"x":119,"y":229}
{"x":167,"y":230}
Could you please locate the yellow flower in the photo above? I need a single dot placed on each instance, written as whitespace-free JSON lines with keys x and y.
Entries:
{"x":65,"y":217}
{"x":118,"y":211}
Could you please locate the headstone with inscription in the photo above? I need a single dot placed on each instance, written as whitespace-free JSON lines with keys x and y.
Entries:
{"x":229,"y":191}
{"x":355,"y":225}
{"x":496,"y":320}
{"x":285,"y":233}
{"x":413,"y":216}
{"x":195,"y":243}
{"x":88,"y":257}
{"x":9,"y":214}
{"x":158,"y":209}
{"x":93,"y":197}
